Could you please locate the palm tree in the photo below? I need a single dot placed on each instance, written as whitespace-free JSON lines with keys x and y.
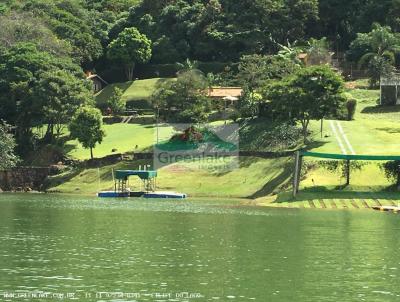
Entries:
{"x":188,"y":65}
{"x":381,"y":59}
{"x":318,"y":51}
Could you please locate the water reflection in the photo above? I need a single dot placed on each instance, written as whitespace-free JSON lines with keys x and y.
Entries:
{"x":163,"y":250}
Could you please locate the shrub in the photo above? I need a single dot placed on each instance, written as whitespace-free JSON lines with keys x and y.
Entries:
{"x":340,"y":166}
{"x":115,"y":102}
{"x":351,"y":106}
{"x":392,"y":169}
{"x":235,"y":116}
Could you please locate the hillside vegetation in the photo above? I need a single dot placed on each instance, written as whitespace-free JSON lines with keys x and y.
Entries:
{"x":136,"y":94}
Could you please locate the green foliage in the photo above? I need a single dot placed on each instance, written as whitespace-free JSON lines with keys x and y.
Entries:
{"x":86,"y":127}
{"x":115,"y":102}
{"x":392,"y":170}
{"x":8,"y":158}
{"x":19,"y":27}
{"x":184,"y":100}
{"x":311,"y":93}
{"x":264,"y":135}
{"x":284,"y":136}
{"x":255,"y":70}
{"x":60,"y":94}
{"x":130,"y":48}
{"x":219,"y":29}
{"x":69,"y":21}
{"x":341,"y":166}
{"x":318,"y":51}
{"x":235,"y":116}
{"x":376,"y":51}
{"x":22,"y":67}
{"x":351,"y":106}
{"x":249,"y":104}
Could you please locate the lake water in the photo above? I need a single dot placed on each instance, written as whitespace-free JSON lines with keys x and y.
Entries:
{"x":86,"y":249}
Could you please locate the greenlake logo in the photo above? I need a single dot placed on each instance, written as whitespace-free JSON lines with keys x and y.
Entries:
{"x":210,"y":147}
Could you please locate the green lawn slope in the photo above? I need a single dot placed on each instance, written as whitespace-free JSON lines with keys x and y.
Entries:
{"x":135,"y":93}
{"x":253,"y":178}
{"x":121,"y":138}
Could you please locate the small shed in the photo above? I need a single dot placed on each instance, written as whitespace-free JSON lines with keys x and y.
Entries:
{"x":98,"y":82}
{"x":390,"y":90}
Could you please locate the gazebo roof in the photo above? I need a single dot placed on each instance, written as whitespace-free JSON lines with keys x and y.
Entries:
{"x":222,"y":92}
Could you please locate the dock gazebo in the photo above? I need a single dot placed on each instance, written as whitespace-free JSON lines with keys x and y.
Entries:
{"x":147,"y":177}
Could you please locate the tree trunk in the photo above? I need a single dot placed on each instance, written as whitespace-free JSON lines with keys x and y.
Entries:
{"x":48,"y":137}
{"x":322,"y":126}
{"x":129,"y":71}
{"x":304,"y":124}
{"x":398,"y":180}
{"x":91,"y":152}
{"x":347,"y":172}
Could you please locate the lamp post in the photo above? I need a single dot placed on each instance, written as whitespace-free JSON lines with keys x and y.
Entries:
{"x":157,"y":121}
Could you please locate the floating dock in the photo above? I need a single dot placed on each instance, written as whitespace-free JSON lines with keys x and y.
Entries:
{"x":112,"y":194}
{"x":165,"y":195}
{"x":387,"y":209}
{"x":149,"y":179}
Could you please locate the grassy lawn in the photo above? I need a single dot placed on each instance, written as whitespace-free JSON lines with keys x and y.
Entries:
{"x":254,"y":178}
{"x":122,"y":137}
{"x":134,"y":91}
{"x":375,"y":130}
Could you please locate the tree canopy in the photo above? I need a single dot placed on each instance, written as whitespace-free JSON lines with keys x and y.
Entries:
{"x":86,"y":127}
{"x":311,"y":93}
{"x":130,"y":48}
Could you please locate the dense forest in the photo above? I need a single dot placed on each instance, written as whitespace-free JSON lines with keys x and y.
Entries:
{"x":46,"y":46}
{"x":204,"y":30}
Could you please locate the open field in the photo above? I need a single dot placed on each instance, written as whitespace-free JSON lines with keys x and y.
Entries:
{"x":375,"y":130}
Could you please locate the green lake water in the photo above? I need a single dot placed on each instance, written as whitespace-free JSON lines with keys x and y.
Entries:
{"x":136,"y":250}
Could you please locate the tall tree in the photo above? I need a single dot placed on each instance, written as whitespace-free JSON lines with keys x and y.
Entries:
{"x":376,"y":51}
{"x":130,"y":48}
{"x":61,"y":95}
{"x":86,"y":127}
{"x":311,"y":93}
{"x":21,"y":67}
{"x":184,"y":100}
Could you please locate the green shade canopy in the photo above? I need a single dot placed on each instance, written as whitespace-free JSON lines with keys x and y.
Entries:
{"x":349,"y":157}
{"x":145,"y":175}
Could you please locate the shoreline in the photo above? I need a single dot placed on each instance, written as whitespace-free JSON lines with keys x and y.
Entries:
{"x":264,"y":202}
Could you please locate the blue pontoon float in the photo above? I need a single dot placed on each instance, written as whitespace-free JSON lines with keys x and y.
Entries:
{"x":149,"y":179}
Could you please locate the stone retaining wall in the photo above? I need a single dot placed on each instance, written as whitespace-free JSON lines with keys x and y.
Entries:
{"x":24,"y":178}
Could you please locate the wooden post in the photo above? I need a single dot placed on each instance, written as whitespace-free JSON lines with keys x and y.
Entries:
{"x":322,"y":126}
{"x":347,"y":172}
{"x":398,"y":179}
{"x":299,"y":173}
{"x":296,"y":174}
{"x":115,"y":183}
